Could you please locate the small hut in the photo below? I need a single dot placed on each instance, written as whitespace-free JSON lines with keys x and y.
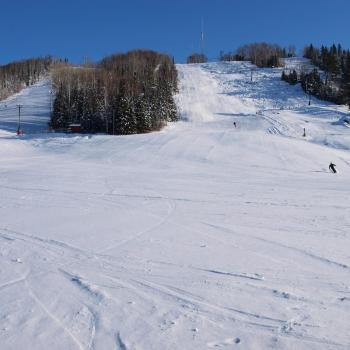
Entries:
{"x":74,"y":128}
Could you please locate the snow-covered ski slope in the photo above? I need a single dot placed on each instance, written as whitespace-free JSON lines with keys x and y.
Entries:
{"x":35,"y":109}
{"x":201,"y":236}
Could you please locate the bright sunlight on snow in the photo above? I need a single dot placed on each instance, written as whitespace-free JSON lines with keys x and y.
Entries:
{"x":204,"y":235}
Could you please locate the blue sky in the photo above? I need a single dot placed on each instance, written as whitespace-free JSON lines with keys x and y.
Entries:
{"x":76,"y":29}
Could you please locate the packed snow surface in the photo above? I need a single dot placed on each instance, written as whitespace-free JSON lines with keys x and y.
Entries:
{"x":201,"y":236}
{"x":34,"y":113}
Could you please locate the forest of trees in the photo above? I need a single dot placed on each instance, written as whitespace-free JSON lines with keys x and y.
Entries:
{"x":260,"y":54}
{"x":197,"y":58}
{"x":291,"y":77}
{"x":229,"y":56}
{"x":16,"y":75}
{"x":334,"y":84}
{"x":123,"y":94}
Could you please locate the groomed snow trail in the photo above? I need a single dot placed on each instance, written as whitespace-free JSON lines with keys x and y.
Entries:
{"x":200,"y":236}
{"x":35,"y":104}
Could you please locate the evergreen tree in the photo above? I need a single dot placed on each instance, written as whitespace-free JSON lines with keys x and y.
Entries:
{"x":346,"y":81}
{"x":59,"y":118}
{"x":333,"y":66}
{"x":141,"y":115}
{"x":291,"y":78}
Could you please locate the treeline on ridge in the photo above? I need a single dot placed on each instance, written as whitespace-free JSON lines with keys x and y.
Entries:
{"x":260,"y":54}
{"x":122,"y":94}
{"x":17,"y":75}
{"x":196,"y":58}
{"x":333,"y":84}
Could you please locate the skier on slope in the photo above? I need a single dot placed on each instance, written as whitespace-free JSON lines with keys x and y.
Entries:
{"x":332,"y":168}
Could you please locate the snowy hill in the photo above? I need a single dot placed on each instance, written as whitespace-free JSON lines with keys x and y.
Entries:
{"x":200,"y":236}
{"x":283,"y":109}
{"x":35,"y":109}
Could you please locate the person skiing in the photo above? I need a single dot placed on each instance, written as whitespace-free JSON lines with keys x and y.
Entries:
{"x":332,"y":168}
{"x":234,"y":124}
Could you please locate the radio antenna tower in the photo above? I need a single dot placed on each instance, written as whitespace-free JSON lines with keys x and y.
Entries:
{"x":202,"y":37}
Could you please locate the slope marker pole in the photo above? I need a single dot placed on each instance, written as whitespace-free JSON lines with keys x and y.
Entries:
{"x":19,"y":119}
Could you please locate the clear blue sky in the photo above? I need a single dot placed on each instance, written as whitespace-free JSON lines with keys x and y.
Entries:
{"x":77,"y":29}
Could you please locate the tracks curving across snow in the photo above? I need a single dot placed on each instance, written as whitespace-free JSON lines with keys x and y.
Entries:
{"x":206,"y":234}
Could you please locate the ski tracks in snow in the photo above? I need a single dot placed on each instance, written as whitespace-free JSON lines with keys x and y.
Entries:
{"x":306,"y":253}
{"x":54,"y":318}
{"x":172,"y":279}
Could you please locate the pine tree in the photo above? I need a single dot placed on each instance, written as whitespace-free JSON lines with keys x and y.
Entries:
{"x":333,"y":66}
{"x":126,"y":118}
{"x":284,"y":76}
{"x":60,"y":118}
{"x":293,"y":79}
{"x":346,"y":81}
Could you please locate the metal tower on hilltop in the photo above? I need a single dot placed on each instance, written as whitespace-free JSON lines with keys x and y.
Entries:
{"x":202,"y":36}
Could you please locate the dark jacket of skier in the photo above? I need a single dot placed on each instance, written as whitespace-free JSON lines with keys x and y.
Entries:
{"x":332,"y":168}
